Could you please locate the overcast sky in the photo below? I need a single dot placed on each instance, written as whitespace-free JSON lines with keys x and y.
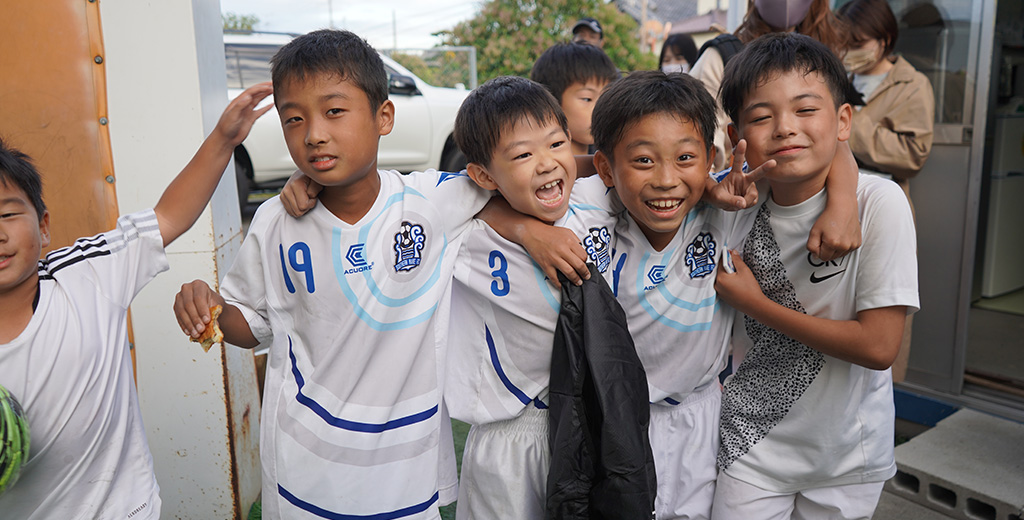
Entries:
{"x":415,"y":20}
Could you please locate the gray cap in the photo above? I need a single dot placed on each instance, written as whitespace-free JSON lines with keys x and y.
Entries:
{"x":589,"y":23}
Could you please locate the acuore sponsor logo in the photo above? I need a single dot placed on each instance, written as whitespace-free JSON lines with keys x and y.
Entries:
{"x":357,"y":260}
{"x":656,"y":275}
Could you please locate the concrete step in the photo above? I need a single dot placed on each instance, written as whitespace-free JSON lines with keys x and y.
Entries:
{"x":894,"y":507}
{"x":970,"y":466}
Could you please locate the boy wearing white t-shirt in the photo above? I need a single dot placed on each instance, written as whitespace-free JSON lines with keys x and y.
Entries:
{"x":807,"y":418}
{"x":353,"y":298}
{"x":64,"y":335}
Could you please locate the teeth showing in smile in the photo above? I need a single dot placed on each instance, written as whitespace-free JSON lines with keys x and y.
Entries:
{"x":322,"y":159}
{"x":664,"y":204}
{"x":550,"y":192}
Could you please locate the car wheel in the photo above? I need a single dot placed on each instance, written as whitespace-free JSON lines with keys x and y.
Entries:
{"x":453,"y":160}
{"x":244,"y":183}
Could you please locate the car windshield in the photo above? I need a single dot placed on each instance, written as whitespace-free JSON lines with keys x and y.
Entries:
{"x":247,"y":64}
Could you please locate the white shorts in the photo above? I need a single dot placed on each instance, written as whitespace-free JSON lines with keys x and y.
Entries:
{"x":505,"y":469}
{"x":737,"y":499}
{"x":684,"y":439}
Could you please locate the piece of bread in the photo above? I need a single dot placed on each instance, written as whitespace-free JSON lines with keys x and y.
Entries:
{"x":211,"y":334}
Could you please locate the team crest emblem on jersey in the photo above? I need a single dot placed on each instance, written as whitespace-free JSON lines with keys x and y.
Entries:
{"x":597,"y":244}
{"x":409,"y":243}
{"x":700,"y":255}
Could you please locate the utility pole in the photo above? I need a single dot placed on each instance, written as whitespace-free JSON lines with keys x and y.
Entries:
{"x":330,"y":13}
{"x":643,"y":25}
{"x":394,"y":31}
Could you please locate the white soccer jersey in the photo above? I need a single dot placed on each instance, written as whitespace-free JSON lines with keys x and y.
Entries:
{"x":680,"y":328}
{"x":504,"y":313}
{"x":792,"y":417}
{"x":358,"y":316}
{"x":72,"y":372}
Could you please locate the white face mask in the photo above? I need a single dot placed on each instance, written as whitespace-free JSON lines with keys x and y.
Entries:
{"x":672,"y":68}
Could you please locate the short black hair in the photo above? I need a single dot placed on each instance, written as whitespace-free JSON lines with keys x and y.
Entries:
{"x":778,"y":53}
{"x":681,"y":45}
{"x":496,"y":107}
{"x":871,"y":20}
{"x":339,"y":53}
{"x":16,"y":168}
{"x":652,"y":92}
{"x":565,"y":64}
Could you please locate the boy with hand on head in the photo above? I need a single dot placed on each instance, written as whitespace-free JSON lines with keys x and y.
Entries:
{"x":64,"y":336}
{"x":576,"y":74}
{"x":808,"y":417}
{"x":352,"y":297}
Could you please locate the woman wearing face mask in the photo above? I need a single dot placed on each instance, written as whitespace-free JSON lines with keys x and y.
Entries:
{"x":813,"y":18}
{"x":892,"y":133}
{"x":677,"y":54}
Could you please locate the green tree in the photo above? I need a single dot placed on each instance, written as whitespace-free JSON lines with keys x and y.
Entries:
{"x":239,"y":22}
{"x":416,"y":65}
{"x":510,"y":34}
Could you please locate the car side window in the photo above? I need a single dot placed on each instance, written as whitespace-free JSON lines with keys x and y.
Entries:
{"x":247,"y":65}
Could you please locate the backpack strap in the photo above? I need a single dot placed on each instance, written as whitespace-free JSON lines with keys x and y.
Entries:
{"x":727,"y":45}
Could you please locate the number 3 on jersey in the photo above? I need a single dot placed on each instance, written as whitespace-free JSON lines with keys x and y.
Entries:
{"x":500,"y":285}
{"x":299,"y":263}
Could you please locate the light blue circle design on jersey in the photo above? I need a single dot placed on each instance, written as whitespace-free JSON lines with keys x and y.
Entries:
{"x":672,"y":299}
{"x":363,"y":314}
{"x":545,"y":287}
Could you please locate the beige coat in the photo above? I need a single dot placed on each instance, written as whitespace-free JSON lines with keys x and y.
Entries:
{"x":893,"y":132}
{"x":708,"y":70}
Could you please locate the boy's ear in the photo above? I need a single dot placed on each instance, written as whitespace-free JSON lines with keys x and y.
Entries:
{"x":481,"y":177}
{"x":845,"y":121}
{"x":734,"y":133}
{"x":604,"y":168}
{"x":44,"y":229}
{"x":386,"y":117}
{"x":712,"y":152}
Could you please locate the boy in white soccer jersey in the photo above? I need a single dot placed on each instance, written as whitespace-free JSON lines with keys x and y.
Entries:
{"x":654,"y":135}
{"x":352,"y":297}
{"x":64,"y":336}
{"x":504,"y":310}
{"x":807,"y":419}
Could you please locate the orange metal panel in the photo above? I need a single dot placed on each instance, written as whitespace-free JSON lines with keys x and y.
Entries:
{"x":53,"y":107}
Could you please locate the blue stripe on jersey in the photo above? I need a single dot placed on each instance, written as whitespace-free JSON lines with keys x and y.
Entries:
{"x":672,"y":300}
{"x":523,"y":398}
{"x":323,"y":513}
{"x":586,"y":207}
{"x":344,"y":424}
{"x":545,"y":287}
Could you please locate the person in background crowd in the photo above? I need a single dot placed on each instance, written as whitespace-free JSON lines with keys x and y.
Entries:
{"x":588,"y":30}
{"x":678,"y":54}
{"x":811,"y":17}
{"x":892,"y":133}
